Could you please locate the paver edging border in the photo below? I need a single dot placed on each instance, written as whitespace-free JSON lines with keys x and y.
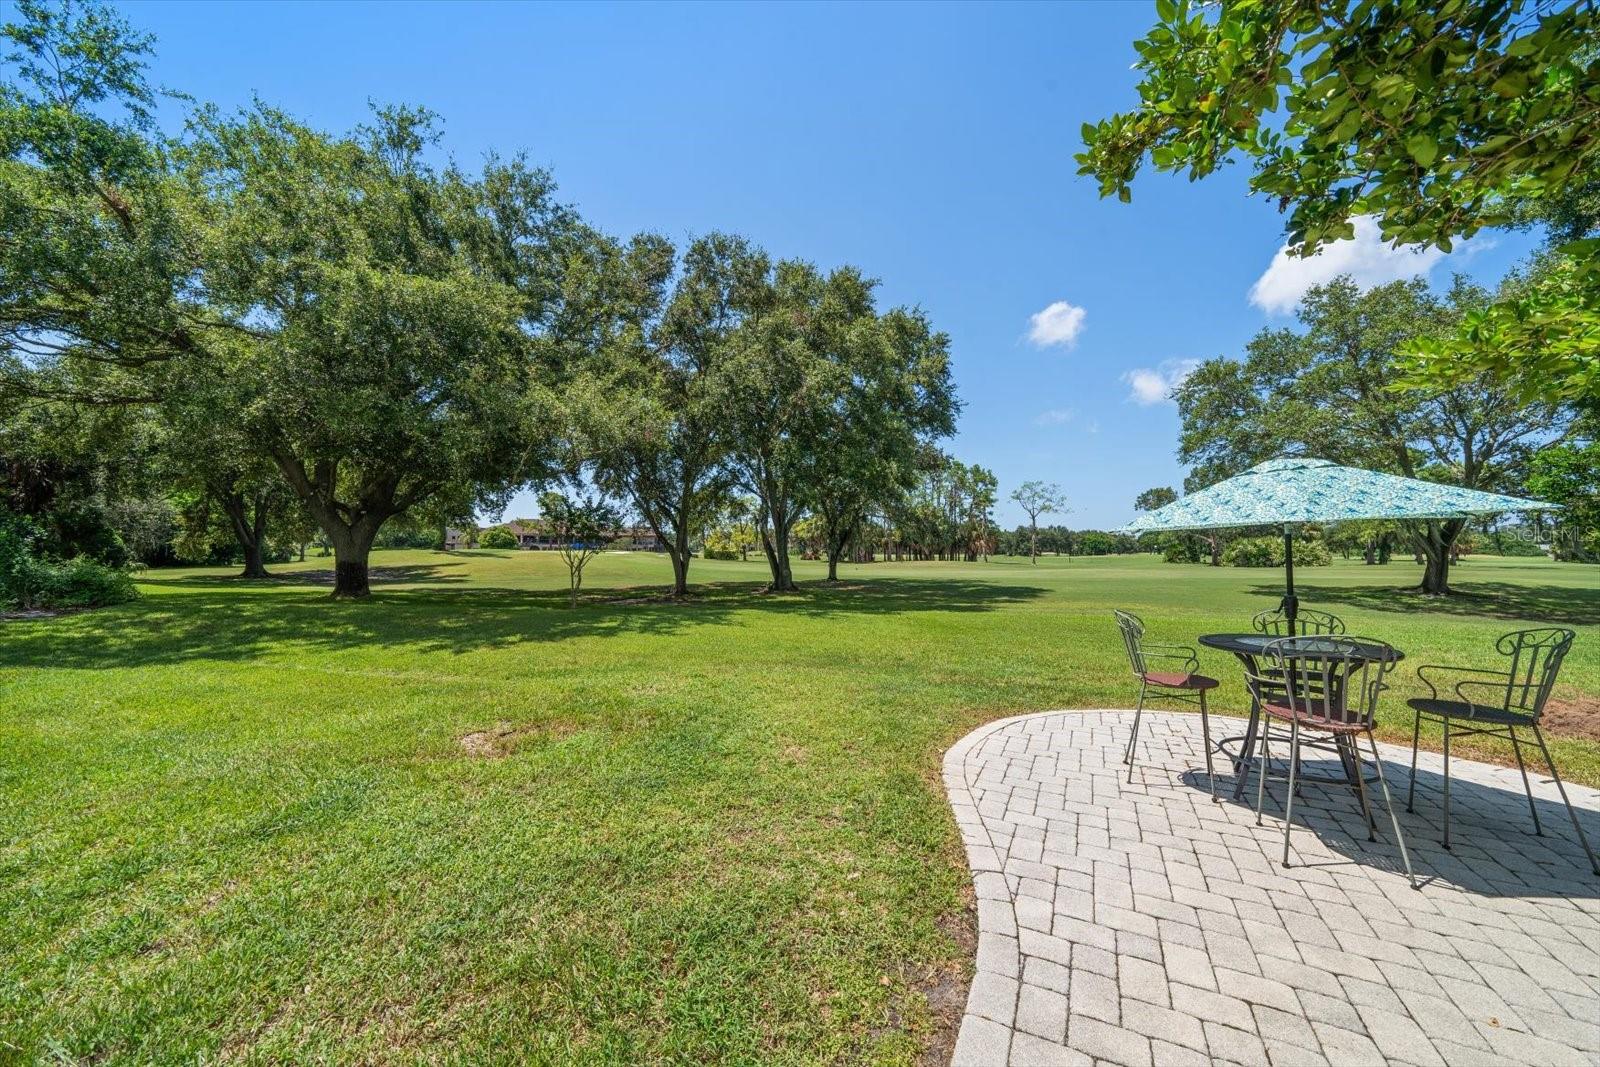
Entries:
{"x":998,"y":966}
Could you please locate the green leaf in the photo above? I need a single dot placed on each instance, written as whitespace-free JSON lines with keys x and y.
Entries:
{"x":1511,"y":85}
{"x":1423,"y":148}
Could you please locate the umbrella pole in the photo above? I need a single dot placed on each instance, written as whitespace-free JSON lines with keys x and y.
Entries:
{"x":1291,"y":603}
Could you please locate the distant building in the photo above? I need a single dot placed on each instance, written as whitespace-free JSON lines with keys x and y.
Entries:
{"x":640,"y":538}
{"x":536,"y":534}
{"x":532,"y":533}
{"x":454,"y":539}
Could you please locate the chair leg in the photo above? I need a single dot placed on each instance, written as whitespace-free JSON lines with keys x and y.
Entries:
{"x":1416,"y":738}
{"x":1288,"y":800}
{"x":1133,"y":738}
{"x":1533,"y":809}
{"x":1388,"y":802}
{"x":1247,"y":750}
{"x":1205,"y":735}
{"x":1263,"y":763}
{"x":1573,"y":815}
{"x":1361,"y":790}
{"x":1447,"y":784}
{"x":1127,"y":754}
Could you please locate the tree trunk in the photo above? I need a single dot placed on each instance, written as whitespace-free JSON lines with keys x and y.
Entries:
{"x":1033,"y":542}
{"x":678,"y":549}
{"x":350,"y":537}
{"x":249,"y":530}
{"x":768,"y":551}
{"x":783,"y":575}
{"x":254,"y":564}
{"x":352,"y":546}
{"x":1435,"y":543}
{"x":777,"y":544}
{"x":444,"y":535}
{"x":838,"y":533}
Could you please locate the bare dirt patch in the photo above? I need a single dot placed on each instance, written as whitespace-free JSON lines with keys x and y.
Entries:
{"x":1572,"y":714}
{"x":502,"y":739}
{"x":945,"y":987}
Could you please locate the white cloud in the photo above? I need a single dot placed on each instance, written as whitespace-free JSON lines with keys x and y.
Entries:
{"x":1366,"y":257}
{"x":1054,"y":417}
{"x":1058,"y":324}
{"x":1154,"y":385}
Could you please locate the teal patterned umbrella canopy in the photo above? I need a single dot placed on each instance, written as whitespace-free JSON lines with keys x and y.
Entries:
{"x":1293,"y":491}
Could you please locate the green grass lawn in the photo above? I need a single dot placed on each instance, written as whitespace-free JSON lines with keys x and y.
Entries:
{"x":239,"y":821}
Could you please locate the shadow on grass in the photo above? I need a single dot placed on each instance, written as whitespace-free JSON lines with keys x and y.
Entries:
{"x":1536,"y":604}
{"x":322,"y":576}
{"x":213,"y":622}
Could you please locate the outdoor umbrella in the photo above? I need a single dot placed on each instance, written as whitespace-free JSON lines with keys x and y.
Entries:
{"x":1294,"y":491}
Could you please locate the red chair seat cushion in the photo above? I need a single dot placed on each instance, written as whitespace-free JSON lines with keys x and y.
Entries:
{"x":1312,"y":722}
{"x":1174,"y":680}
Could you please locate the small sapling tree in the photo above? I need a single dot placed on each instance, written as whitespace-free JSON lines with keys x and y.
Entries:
{"x":581,"y":527}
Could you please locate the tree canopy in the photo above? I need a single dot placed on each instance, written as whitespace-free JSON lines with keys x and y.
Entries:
{"x":396,"y":315}
{"x":338,"y":330}
{"x":1436,"y":119}
{"x":1038,"y":498}
{"x":1324,"y":390}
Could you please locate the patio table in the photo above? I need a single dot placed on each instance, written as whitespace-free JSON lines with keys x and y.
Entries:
{"x":1248,"y":647}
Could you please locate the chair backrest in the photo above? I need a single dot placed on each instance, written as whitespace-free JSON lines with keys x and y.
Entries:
{"x":1536,"y":657}
{"x":1326,"y":678}
{"x":1132,"y":636}
{"x":1306,"y":621}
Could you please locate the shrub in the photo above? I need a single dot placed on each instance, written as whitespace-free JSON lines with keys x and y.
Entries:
{"x":1268,"y":552}
{"x":74,"y":583}
{"x":720,"y":544}
{"x":497,"y":537}
{"x":1254,"y":552}
{"x":1180,"y":548}
{"x":30,"y":579}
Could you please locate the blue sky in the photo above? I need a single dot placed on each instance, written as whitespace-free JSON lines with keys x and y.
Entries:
{"x":930,"y":145}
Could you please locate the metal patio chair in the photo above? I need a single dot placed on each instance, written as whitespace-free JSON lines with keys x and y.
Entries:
{"x":1507,"y":701}
{"x":1307,"y":621}
{"x":1326,"y":685}
{"x":1183,"y":684}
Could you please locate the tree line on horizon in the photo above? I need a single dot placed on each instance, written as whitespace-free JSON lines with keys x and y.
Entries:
{"x":253,"y":333}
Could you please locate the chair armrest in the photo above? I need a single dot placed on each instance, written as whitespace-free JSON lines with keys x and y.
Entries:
{"x":1433,"y":690}
{"x":1177,"y":652}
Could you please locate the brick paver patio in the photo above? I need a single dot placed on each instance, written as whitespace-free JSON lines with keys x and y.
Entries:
{"x":1142,"y":924}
